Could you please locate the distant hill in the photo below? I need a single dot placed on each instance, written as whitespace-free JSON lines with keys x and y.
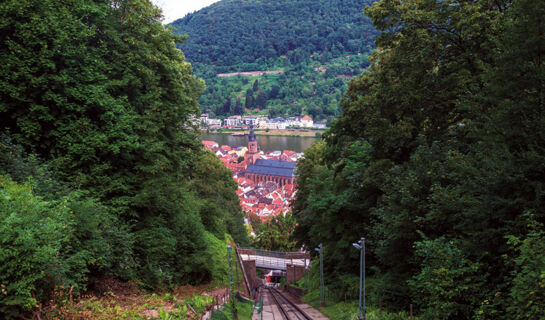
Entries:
{"x":315,"y":42}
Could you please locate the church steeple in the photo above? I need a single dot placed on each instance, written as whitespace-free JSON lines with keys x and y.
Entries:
{"x":251,"y":135}
{"x":253,"y":153}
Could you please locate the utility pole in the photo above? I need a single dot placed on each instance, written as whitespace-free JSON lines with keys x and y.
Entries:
{"x":322,"y":295}
{"x":361,"y":246}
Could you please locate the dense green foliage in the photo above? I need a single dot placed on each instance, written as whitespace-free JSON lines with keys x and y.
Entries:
{"x":341,"y":298}
{"x":446,"y":281}
{"x":242,"y":309}
{"x":111,"y":178}
{"x":29,"y":230}
{"x":319,"y":44}
{"x":232,"y":32}
{"x":437,"y":159}
{"x":213,"y":182}
{"x":313,"y":87}
{"x":48,"y":243}
{"x":275,"y":234}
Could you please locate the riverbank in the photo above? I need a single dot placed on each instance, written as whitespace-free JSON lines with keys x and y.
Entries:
{"x":275,"y":132}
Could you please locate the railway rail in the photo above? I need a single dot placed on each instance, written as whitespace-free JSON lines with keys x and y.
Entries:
{"x":289,"y":310}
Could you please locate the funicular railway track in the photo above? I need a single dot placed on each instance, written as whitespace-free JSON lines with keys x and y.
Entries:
{"x":289,"y":310}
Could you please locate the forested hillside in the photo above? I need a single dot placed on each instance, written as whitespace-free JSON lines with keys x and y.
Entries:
{"x":101,"y":174}
{"x":437,"y":160}
{"x":319,"y":44}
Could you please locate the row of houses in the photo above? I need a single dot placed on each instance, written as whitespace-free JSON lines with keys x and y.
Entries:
{"x":266,"y":199}
{"x":261,"y":122}
{"x":263,"y":197}
{"x":230,"y":156}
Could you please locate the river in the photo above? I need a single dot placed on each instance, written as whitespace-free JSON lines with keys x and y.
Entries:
{"x":266,"y":143}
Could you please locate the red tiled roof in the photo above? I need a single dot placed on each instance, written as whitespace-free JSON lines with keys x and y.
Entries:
{"x":289,"y":152}
{"x":207,"y":142}
{"x":266,"y":199}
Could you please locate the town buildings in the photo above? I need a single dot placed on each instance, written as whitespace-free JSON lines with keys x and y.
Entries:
{"x":261,"y":122}
{"x":266,"y":180}
{"x":251,"y":120}
{"x":278,"y":171}
{"x":251,"y":156}
{"x":206,"y":120}
{"x":263,"y":170}
{"x":306,"y":121}
{"x":233,"y":121}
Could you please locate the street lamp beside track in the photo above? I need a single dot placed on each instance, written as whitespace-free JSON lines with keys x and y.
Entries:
{"x":230,"y":280}
{"x":360,"y":245}
{"x":322,"y":297}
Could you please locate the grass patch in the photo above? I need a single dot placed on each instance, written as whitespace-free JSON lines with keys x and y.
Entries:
{"x":244,"y":311}
{"x":336,"y":308}
{"x":349,"y":310}
{"x":139,"y":305}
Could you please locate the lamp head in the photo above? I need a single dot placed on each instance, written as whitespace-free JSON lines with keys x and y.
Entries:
{"x":357,"y":246}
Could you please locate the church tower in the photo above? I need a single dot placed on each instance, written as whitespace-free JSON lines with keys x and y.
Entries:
{"x":253,"y":153}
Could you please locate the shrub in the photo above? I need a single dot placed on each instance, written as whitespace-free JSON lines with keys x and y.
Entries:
{"x":523,"y":296}
{"x":527,"y":293}
{"x":44,"y":244}
{"x":32,"y":232}
{"x":447,"y":284}
{"x":97,"y":243}
{"x":21,"y":167}
{"x":155,"y":253}
{"x":216,"y":257}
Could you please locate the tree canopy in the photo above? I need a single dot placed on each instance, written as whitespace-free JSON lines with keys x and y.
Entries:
{"x":231,"y":32}
{"x":436,"y":158}
{"x":95,"y":107}
{"x":318,"y":44}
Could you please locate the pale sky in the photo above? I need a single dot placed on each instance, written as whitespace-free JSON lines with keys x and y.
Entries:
{"x":175,"y":9}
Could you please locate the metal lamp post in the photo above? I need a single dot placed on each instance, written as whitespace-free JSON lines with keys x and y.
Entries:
{"x":305,"y":274}
{"x":230,"y":277}
{"x":360,"y":245}
{"x":236,"y":273}
{"x":322,"y":296}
